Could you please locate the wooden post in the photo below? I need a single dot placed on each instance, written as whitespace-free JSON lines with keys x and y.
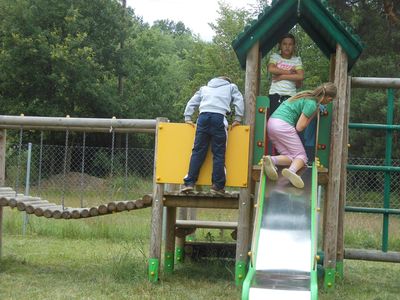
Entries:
{"x":343,"y":183}
{"x":156,"y":217}
{"x":2,"y":178}
{"x":332,"y":205}
{"x":332,"y":67}
{"x":170,"y":240}
{"x":170,"y":234}
{"x":180,"y":241}
{"x":244,"y":219}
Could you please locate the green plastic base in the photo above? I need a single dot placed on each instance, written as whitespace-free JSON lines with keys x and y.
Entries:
{"x":169,"y":262}
{"x":240,"y":272}
{"x":340,"y":269}
{"x":153,"y":269}
{"x":179,"y":254}
{"x":329,"y":280}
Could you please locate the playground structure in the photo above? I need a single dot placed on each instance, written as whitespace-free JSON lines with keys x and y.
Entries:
{"x":343,"y":50}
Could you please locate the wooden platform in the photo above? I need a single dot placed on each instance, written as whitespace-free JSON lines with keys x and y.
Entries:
{"x":201,"y":200}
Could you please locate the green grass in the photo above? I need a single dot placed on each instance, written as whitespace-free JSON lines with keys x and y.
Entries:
{"x":106,"y":257}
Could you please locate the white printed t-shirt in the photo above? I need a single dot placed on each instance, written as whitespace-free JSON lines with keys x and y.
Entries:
{"x":284,"y":87}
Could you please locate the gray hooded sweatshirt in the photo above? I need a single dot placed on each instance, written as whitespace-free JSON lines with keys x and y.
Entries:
{"x":216,"y":97}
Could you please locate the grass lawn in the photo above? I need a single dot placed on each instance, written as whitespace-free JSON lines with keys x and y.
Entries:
{"x":105,"y":258}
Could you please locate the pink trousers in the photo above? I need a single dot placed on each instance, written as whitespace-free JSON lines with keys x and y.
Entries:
{"x":285,"y":139}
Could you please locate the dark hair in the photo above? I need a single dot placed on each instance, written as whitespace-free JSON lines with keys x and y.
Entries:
{"x":226,"y":78}
{"x":285,"y":36}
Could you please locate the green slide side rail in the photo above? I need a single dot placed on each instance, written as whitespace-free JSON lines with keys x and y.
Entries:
{"x":314,"y":238}
{"x":254,"y":247}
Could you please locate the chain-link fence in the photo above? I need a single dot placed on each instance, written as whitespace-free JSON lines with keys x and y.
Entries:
{"x":366,"y":188}
{"x":80,"y":175}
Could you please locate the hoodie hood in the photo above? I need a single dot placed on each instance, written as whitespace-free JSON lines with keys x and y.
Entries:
{"x":217,"y":82}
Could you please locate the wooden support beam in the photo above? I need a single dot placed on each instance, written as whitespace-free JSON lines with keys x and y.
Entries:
{"x":343,"y":175}
{"x":205,"y":224}
{"x":335,"y":164}
{"x":372,"y":255}
{"x":156,"y":216}
{"x":244,"y":218}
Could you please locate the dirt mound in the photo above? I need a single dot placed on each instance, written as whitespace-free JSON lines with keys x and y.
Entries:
{"x":74,"y":180}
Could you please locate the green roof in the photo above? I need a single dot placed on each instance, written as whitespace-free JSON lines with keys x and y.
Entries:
{"x":317,"y":19}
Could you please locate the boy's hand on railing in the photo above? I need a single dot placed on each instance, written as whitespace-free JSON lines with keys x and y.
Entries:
{"x":190,"y":122}
{"x":234,"y":124}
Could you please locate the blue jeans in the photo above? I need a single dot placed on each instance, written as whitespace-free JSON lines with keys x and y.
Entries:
{"x":211,"y":128}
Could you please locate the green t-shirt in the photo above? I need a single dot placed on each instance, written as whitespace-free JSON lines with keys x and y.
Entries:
{"x":290,"y":111}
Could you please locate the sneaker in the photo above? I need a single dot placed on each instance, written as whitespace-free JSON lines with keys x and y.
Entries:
{"x":216,"y":191}
{"x":187,"y":189}
{"x":270,"y":168}
{"x":293,"y":178}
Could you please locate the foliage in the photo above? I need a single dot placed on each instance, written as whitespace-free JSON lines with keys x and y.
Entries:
{"x":98,"y":59}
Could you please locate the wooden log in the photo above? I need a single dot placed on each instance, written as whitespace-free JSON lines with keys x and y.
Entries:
{"x":157,"y":210}
{"x":30,"y":209}
{"x":343,"y":177}
{"x":335,"y":163}
{"x":77,"y":213}
{"x":94,"y":211}
{"x":130,"y":205}
{"x":66,"y":214}
{"x":102,"y":209}
{"x":3,"y":201}
{"x":147,"y":199}
{"x":170,"y":237}
{"x":5,"y":189}
{"x":57,"y":213}
{"x":12,"y":200}
{"x":39,"y":211}
{"x":374,"y":82}
{"x":112,"y":206}
{"x":121,"y":206}
{"x":7,"y":194}
{"x":139,"y":203}
{"x":372,"y":255}
{"x":21,"y":206}
{"x":205,"y":224}
{"x":48,"y":212}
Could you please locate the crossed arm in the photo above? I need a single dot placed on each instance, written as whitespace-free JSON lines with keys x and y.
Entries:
{"x":281,"y":74}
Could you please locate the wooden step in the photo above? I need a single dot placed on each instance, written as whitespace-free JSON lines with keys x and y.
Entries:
{"x":205,"y":224}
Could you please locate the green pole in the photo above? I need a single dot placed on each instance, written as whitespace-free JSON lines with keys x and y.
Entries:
{"x":388,"y":162}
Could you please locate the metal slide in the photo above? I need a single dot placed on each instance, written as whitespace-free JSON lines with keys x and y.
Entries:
{"x":282,"y":264}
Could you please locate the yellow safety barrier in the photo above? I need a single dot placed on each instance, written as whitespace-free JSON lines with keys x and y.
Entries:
{"x":174,"y":148}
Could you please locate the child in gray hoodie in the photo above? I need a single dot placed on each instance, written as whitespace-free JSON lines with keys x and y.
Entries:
{"x":214,"y":103}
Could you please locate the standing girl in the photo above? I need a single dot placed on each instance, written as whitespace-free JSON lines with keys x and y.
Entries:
{"x":291,"y":117}
{"x":287,"y":72}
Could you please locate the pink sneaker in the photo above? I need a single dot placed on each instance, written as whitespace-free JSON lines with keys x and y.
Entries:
{"x":270,"y":168}
{"x":293,"y":178}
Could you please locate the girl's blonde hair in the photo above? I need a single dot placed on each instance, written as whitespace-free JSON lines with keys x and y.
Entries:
{"x":327,"y":89}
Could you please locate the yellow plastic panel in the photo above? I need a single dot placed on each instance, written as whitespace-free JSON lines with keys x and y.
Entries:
{"x":174,"y":148}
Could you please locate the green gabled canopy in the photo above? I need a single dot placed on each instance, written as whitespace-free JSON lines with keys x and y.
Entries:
{"x":318,"y":20}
